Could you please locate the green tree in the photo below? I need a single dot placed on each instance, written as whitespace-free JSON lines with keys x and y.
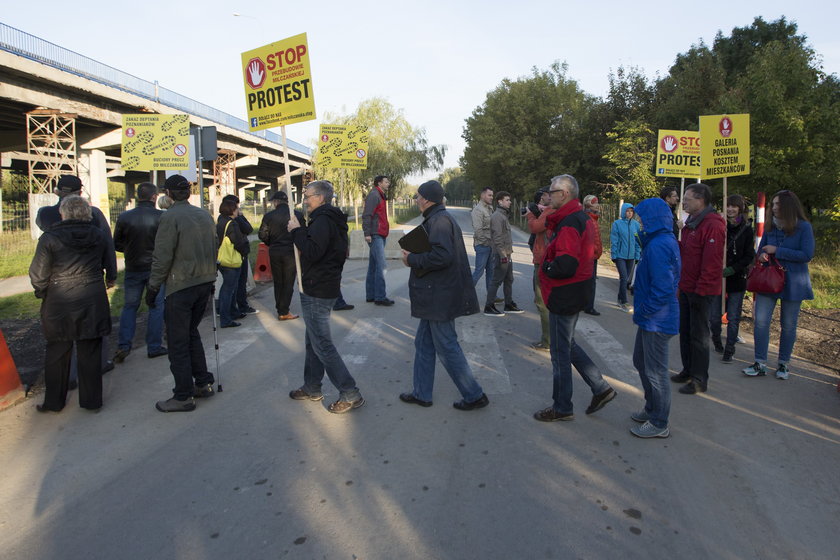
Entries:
{"x":526,"y":131}
{"x":456,"y":184}
{"x":630,"y":153}
{"x":396,"y":149}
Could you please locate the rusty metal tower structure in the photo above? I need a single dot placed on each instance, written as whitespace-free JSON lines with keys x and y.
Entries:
{"x":224,"y":172}
{"x":51,"y":146}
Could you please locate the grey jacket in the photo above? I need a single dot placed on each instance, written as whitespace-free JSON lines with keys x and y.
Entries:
{"x":185,"y":249}
{"x":500,"y":238}
{"x":481,"y":223}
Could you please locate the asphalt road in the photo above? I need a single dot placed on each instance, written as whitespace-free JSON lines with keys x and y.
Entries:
{"x":750,"y":470}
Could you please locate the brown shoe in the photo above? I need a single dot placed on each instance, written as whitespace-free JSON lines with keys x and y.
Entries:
{"x":287,"y":317}
{"x":551,"y":415}
{"x":340,"y":407}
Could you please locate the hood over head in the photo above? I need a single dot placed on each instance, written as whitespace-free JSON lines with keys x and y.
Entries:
{"x":624,"y":208}
{"x":656,"y":217}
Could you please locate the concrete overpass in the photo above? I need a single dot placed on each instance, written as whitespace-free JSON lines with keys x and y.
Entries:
{"x":36,"y":74}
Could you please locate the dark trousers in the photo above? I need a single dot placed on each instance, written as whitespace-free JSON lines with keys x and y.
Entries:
{"x":57,"y":373}
{"x":183,"y":312}
{"x":502,"y":276}
{"x":694,"y":336}
{"x":241,"y":296}
{"x":594,"y":278}
{"x":283,"y":272}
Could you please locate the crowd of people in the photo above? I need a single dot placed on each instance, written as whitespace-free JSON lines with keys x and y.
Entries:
{"x":685,"y":277}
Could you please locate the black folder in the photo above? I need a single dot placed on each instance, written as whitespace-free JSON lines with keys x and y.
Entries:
{"x":416,"y":241}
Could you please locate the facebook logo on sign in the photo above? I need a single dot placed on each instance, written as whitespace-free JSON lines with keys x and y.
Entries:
{"x":661,"y":169}
{"x":254,"y":122}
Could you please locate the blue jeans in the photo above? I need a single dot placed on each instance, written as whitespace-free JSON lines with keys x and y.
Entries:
{"x":135,"y":283}
{"x":763,"y":307}
{"x":375,"y":282}
{"x":240,"y":302}
{"x":227,"y":294}
{"x":733,"y":315}
{"x":483,"y":265}
{"x":594,"y":279}
{"x":625,"y":273}
{"x":438,"y":339}
{"x":564,"y":354}
{"x":650,"y":356}
{"x":321,"y":354}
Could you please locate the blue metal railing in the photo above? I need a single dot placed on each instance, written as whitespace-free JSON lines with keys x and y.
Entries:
{"x":34,"y":48}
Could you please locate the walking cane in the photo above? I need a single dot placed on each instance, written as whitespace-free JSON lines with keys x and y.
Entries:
{"x":216,"y":340}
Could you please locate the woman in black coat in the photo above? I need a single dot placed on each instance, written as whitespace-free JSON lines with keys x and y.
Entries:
{"x":228,"y":226}
{"x":66,"y":273}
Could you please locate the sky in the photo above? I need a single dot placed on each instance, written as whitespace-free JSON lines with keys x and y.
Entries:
{"x":435,"y":60}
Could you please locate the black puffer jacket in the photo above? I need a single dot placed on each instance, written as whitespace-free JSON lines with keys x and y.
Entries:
{"x":134,"y":235}
{"x":66,"y":273}
{"x":323,"y":250}
{"x":274,"y":230}
{"x":440,"y":284}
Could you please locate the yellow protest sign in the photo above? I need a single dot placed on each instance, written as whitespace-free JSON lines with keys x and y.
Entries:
{"x":155,"y":142}
{"x":278,"y":84}
{"x":342,"y":146}
{"x":725,"y":145}
{"x":678,"y":154}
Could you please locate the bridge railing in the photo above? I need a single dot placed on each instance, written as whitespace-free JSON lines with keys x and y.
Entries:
{"x":34,"y":48}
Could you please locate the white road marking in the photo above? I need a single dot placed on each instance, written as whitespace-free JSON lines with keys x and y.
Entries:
{"x":478,"y":340}
{"x":610,"y":350}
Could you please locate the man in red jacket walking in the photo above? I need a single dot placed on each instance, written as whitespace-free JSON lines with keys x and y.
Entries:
{"x":566,"y":284}
{"x":701,"y":250}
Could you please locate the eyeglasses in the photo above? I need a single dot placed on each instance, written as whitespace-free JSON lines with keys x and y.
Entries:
{"x":307,"y":196}
{"x":550,"y":191}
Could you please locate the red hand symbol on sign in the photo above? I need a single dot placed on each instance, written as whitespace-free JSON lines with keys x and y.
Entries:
{"x":256,"y":73}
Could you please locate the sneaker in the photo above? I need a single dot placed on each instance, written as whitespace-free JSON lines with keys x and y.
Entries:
{"x":480,"y":403}
{"x":287,"y":317}
{"x":512,"y":308}
{"x":109,"y":366}
{"x":551,"y":415}
{"x":681,"y":377}
{"x":411,"y":399}
{"x":250,"y":310}
{"x":386,"y":302}
{"x":626,"y":307}
{"x":345,"y":307}
{"x":232,"y":325}
{"x":728,"y":353}
{"x":540,"y":346}
{"x":598,"y":401}
{"x":162,"y":351}
{"x":740,"y":340}
{"x":341,"y":407}
{"x":755,"y":370}
{"x":592,"y":312}
{"x":640,"y":416}
{"x":203,"y":392}
{"x":491,"y":311}
{"x":693,"y":388}
{"x":301,"y":395}
{"x":174,"y":405}
{"x":718,"y":346}
{"x":121,"y":355}
{"x":648,"y":430}
{"x":782,"y":371}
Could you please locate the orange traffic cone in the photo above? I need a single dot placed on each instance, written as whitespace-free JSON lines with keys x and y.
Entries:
{"x":10,"y":389}
{"x":262,"y":270}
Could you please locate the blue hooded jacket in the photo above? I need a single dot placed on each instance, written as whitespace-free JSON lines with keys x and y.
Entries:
{"x":656,"y":307}
{"x":624,"y":237}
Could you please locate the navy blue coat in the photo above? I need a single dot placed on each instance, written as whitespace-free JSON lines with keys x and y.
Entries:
{"x":440,"y":284}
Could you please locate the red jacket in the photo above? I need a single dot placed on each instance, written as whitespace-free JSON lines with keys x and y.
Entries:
{"x":537,"y":227}
{"x":599,"y":248}
{"x":701,"y":251}
{"x":566,"y":270}
{"x":375,"y":214}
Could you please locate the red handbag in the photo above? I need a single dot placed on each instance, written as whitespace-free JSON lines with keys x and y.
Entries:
{"x":766,"y":278}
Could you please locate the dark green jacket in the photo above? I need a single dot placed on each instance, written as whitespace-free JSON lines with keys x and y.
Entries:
{"x":185,"y":249}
